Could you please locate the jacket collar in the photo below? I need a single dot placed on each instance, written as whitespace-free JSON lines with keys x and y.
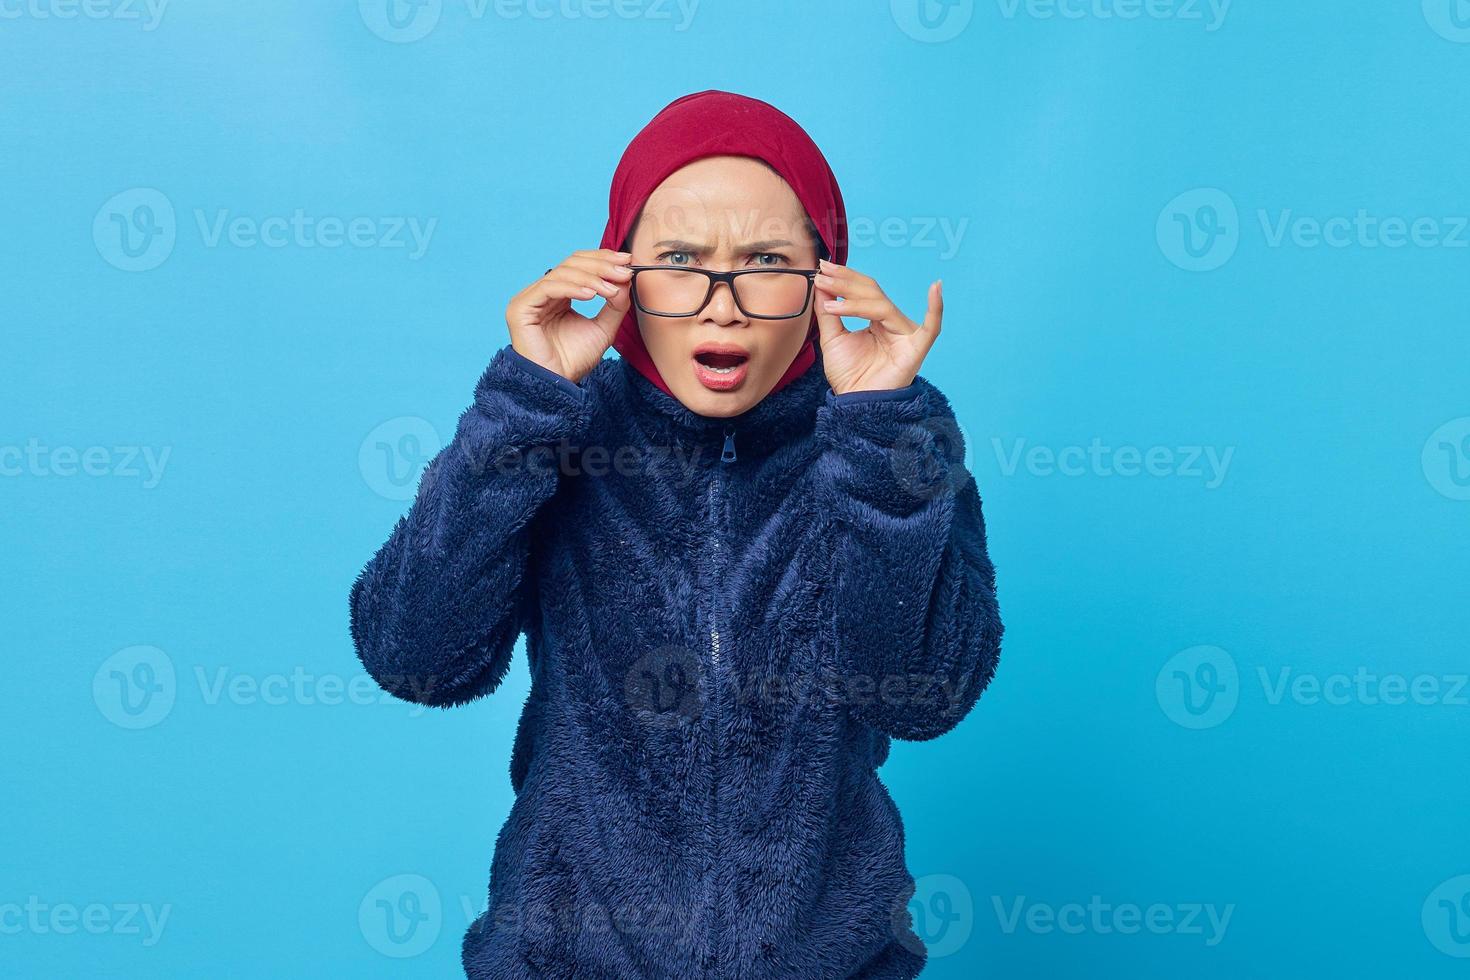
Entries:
{"x":783,"y":416}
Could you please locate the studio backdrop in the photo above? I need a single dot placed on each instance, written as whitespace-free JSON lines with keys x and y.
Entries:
{"x":1206,"y":270}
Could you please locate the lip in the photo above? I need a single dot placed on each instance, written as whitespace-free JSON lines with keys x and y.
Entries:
{"x":714,"y":380}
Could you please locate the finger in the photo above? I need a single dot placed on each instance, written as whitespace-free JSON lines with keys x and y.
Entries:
{"x":829,"y":290}
{"x":880,"y":310}
{"x":567,"y":273}
{"x":610,"y":317}
{"x":848,"y":278}
{"x":606,"y":268}
{"x":935,"y":313}
{"x":559,"y":289}
{"x":849,"y":290}
{"x":603,"y":253}
{"x":829,"y":325}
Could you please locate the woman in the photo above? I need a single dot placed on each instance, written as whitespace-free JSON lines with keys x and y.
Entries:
{"x":744,"y":555}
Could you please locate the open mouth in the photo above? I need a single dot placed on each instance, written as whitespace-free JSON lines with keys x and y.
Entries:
{"x":720,"y":363}
{"x":721,"y":369}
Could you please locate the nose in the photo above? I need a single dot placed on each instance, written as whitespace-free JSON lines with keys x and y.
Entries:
{"x":721,"y":309}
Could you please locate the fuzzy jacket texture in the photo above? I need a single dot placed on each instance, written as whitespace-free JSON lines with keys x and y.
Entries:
{"x":726,"y":622}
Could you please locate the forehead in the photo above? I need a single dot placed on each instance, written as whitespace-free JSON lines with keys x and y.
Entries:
{"x":729,"y":196}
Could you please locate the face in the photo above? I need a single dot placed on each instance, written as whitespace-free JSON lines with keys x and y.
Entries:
{"x":724,"y":213}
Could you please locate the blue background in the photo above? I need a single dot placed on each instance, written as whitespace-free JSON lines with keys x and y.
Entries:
{"x":1337,"y":541}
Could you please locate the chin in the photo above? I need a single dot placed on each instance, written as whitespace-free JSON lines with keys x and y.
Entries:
{"x":717,"y":404}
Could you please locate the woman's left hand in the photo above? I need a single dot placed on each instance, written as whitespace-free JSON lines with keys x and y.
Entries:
{"x":888,"y":353}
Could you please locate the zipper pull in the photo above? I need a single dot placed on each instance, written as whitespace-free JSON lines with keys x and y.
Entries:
{"x":727,"y":455}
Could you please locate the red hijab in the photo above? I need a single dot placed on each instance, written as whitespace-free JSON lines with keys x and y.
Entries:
{"x":711,"y":123}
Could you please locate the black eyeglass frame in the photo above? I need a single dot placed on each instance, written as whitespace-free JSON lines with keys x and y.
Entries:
{"x":715,"y":278}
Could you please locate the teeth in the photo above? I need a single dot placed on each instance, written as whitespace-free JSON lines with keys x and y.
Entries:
{"x":720,"y":370}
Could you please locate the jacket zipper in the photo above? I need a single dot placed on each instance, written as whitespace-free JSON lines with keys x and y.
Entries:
{"x":713,"y":918}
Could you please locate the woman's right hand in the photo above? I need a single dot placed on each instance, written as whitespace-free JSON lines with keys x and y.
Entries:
{"x":545,"y":328}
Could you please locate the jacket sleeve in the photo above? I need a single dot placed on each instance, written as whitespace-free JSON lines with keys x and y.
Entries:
{"x":916,"y":622}
{"x":436,"y":612}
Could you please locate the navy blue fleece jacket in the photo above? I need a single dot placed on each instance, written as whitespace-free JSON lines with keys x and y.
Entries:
{"x":726,"y":621}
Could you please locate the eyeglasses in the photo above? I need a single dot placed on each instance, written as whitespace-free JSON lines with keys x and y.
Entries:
{"x":763,"y":294}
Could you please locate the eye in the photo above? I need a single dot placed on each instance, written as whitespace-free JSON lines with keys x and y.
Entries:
{"x":777,"y":258}
{"x":664,"y":258}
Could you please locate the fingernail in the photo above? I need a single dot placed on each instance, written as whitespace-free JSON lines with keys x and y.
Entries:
{"x":831,"y":304}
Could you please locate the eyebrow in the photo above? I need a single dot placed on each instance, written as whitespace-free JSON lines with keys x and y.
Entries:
{"x":684,"y":246}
